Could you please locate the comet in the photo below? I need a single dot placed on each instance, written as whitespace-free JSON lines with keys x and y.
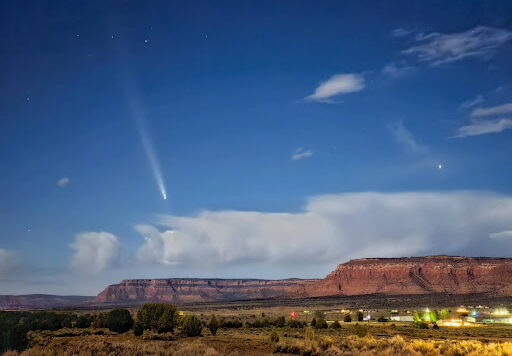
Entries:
{"x":154,"y":164}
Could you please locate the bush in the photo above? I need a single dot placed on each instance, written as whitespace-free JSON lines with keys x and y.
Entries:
{"x":119,"y":321}
{"x":230,"y":324}
{"x":360,"y":330}
{"x":138,"y":330}
{"x":83,"y":321}
{"x":335,"y":325}
{"x":321,"y":324}
{"x":213,"y":325}
{"x":279,"y":322}
{"x":347,"y":318}
{"x":192,"y":325}
{"x":359,"y":316}
{"x":157,"y":317}
{"x":296,"y":324}
{"x":313,"y":322}
{"x":422,"y":325}
{"x":274,"y":336}
{"x":382,"y":319}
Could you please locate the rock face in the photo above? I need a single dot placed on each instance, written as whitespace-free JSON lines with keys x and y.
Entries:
{"x":388,"y":276}
{"x":176,"y":290}
{"x":419,"y":275}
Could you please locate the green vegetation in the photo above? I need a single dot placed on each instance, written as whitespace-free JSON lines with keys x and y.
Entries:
{"x":335,"y":325}
{"x":213,"y":325}
{"x":347,"y":318}
{"x":119,"y":321}
{"x":318,"y":321}
{"x":156,"y":317}
{"x":360,"y":330}
{"x":359,"y":316}
{"x":192,"y":325}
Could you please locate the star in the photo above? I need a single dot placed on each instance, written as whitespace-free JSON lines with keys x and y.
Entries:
{"x":146,"y":41}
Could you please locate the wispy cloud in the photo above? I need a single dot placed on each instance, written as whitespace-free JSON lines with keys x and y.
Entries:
{"x":482,"y":127}
{"x":403,"y":224}
{"x":94,"y":251}
{"x":479,"y":99}
{"x":63,"y":182}
{"x":403,"y":136}
{"x":400,"y":32}
{"x":507,"y":234}
{"x":336,"y":85}
{"x":438,"y":48}
{"x":494,"y":110}
{"x":301,"y":153}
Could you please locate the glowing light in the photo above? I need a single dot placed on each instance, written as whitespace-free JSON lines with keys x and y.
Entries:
{"x":152,"y":158}
{"x":293,"y":314}
{"x":462,"y":310}
{"x":440,"y":166}
{"x":501,"y":312}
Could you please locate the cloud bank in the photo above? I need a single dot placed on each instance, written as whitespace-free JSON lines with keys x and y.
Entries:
{"x":94,"y":251}
{"x":336,"y":85}
{"x":438,"y":48}
{"x":482,"y":122}
{"x":332,"y":229}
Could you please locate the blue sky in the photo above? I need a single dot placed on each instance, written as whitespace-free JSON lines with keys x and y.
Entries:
{"x":271,"y":124}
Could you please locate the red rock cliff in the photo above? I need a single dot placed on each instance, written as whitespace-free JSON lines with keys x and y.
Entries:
{"x":176,"y":290}
{"x":390,"y":276}
{"x":419,"y":275}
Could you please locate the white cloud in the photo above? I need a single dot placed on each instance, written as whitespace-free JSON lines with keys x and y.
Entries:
{"x":336,"y":85}
{"x":400,"y":32}
{"x":438,"y":48}
{"x":94,"y":251}
{"x":8,"y":261}
{"x":403,"y":136}
{"x":495,"y":110}
{"x":507,"y":234}
{"x":482,"y":127}
{"x":301,"y":153}
{"x":332,"y":229}
{"x":63,"y":182}
{"x":396,"y":69}
{"x":471,"y":103}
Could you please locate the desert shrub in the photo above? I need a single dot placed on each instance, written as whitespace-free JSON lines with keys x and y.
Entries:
{"x":213,"y":325}
{"x":296,"y":324}
{"x":230,"y":324}
{"x":279,"y":322}
{"x":347,"y":318}
{"x":313,"y":322}
{"x":435,"y":326}
{"x":157,"y":317}
{"x":83,"y":321}
{"x":421,"y":325}
{"x":320,"y":324}
{"x":360,"y":330}
{"x":382,"y":319}
{"x":335,"y":325}
{"x":192,"y":325}
{"x":359,"y":316}
{"x":138,"y":329}
{"x":119,"y":320}
{"x":324,"y":342}
{"x":309,"y":334}
{"x":274,"y":336}
{"x":99,"y":320}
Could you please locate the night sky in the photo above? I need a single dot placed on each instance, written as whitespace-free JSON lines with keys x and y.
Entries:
{"x":268,"y":139}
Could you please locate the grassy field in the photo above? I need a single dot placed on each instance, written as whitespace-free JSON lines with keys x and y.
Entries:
{"x":373,"y":338}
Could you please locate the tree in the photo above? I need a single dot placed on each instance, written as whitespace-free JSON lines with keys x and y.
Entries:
{"x":156,"y":317}
{"x":83,"y":321}
{"x":445,"y":313}
{"x":192,"y":325}
{"x":119,"y":320}
{"x":347,"y":318}
{"x":213,"y":325}
{"x":359,"y":316}
{"x":335,"y":325}
{"x":313,"y":322}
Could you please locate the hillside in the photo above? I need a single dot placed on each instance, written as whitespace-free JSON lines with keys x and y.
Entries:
{"x":388,"y":276}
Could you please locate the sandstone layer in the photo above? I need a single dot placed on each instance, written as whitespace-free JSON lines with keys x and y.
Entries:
{"x":177,"y":290}
{"x":386,"y":276}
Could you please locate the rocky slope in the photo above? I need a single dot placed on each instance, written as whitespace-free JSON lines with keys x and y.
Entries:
{"x":178,"y":290}
{"x":419,"y":275}
{"x":389,"y":276}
